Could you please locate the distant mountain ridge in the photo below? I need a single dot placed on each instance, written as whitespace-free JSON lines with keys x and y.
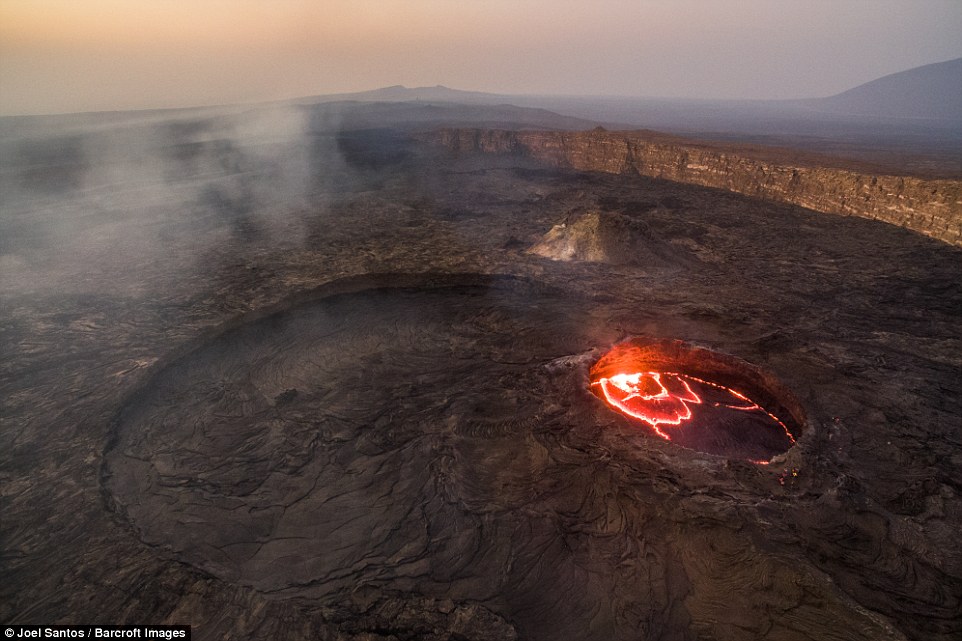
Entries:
{"x":931,"y":92}
{"x":400,"y":93}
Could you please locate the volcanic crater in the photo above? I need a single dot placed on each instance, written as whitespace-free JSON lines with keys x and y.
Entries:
{"x":363,"y":435}
{"x":375,"y":418}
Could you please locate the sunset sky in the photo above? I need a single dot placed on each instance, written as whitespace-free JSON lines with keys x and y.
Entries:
{"x":81,"y":55}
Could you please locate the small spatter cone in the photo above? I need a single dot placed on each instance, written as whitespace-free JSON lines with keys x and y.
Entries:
{"x":605,"y":237}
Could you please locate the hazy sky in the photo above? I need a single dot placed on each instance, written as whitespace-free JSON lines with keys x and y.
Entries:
{"x":79,"y":55}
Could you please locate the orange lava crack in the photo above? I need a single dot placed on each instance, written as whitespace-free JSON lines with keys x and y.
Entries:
{"x":665,"y":398}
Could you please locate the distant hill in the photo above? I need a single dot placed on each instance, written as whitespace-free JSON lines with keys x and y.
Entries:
{"x":931,"y":92}
{"x":400,"y":93}
{"x":438,"y":106}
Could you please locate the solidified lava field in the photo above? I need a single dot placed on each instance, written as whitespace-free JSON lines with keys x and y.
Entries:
{"x":367,"y":413}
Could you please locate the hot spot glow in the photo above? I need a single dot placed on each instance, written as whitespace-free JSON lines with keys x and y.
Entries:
{"x":666,"y":398}
{"x":670,"y":386}
{"x":653,"y":397}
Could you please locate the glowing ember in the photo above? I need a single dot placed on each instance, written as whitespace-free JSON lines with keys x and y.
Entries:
{"x":690,"y":410}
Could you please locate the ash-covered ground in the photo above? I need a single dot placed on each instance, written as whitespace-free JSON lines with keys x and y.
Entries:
{"x":313,"y":386}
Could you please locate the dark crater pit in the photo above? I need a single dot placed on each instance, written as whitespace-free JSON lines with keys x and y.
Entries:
{"x":402,"y":442}
{"x":363,"y":439}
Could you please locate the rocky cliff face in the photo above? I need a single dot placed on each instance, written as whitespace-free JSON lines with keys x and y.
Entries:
{"x":931,"y":207}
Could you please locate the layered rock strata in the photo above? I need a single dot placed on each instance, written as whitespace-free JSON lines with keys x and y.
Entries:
{"x":929,"y":206}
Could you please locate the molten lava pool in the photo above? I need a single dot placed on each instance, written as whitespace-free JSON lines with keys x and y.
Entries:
{"x":698,"y":399}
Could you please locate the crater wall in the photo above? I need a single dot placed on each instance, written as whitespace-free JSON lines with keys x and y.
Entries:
{"x":929,"y":206}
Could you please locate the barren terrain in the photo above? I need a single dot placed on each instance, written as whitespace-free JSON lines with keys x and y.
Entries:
{"x":362,"y":410}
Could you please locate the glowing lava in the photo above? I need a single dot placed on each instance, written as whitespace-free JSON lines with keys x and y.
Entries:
{"x":639,"y":380}
{"x":665,"y":398}
{"x":652,"y":397}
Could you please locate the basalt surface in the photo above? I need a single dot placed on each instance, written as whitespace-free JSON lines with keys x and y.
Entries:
{"x":373,"y":420}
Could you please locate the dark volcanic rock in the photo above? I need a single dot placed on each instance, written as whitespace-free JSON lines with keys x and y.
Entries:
{"x":438,"y":447}
{"x":372,"y":419}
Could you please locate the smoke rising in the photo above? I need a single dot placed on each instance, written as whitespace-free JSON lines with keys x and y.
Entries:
{"x":86,"y":195}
